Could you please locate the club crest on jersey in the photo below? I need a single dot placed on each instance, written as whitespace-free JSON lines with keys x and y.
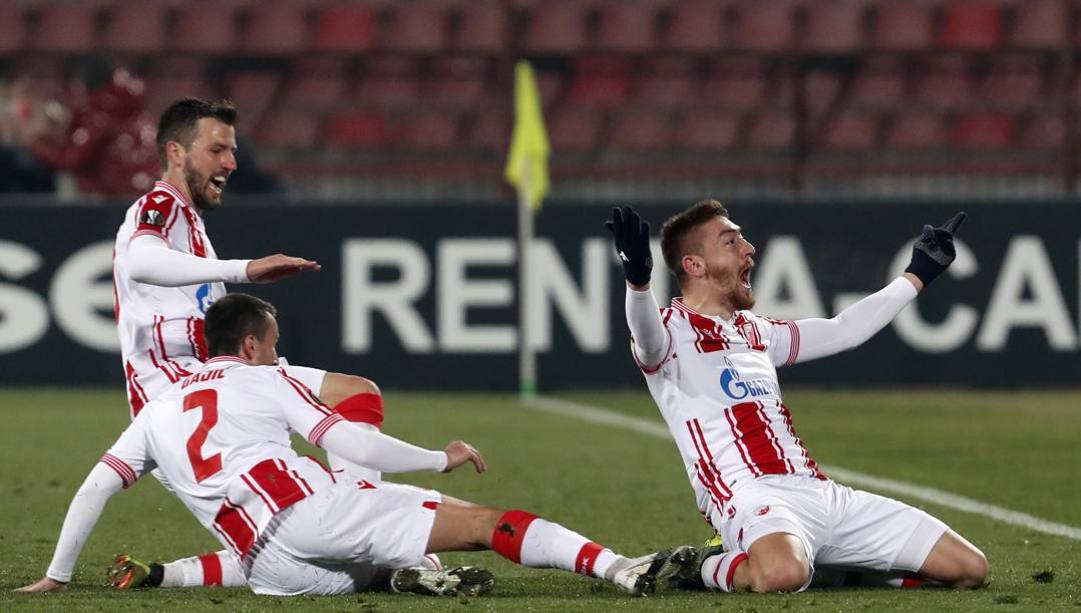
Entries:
{"x":153,"y":217}
{"x":202,"y":298}
{"x":733,"y":385}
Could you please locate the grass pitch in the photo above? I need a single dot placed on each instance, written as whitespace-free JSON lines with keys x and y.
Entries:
{"x":621,"y":488}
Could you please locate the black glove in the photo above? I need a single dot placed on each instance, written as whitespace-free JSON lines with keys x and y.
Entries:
{"x":933,"y":251}
{"x":631,"y":237}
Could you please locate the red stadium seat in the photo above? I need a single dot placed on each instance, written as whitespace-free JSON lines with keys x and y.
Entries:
{"x":975,"y":25}
{"x":881,"y":85}
{"x":277,"y":28}
{"x":626,"y":27}
{"x":481,"y":26}
{"x":556,"y":27}
{"x":946,"y":82}
{"x":360,"y":129}
{"x":389,"y":81}
{"x":917,"y":130}
{"x":253,"y":92}
{"x":12,"y":29}
{"x":1043,"y":132}
{"x":574,"y":129}
{"x":983,"y":131}
{"x":737,"y":83}
{"x":850,"y":131}
{"x":345,"y":26}
{"x":428,"y":130}
{"x":65,"y":27}
{"x":317,"y":84}
{"x":821,"y":88}
{"x":490,"y":130}
{"x":1014,"y":82}
{"x":767,"y":27}
{"x":414,"y":28}
{"x":460,"y":81}
{"x":600,"y":81}
{"x":771,"y":131}
{"x":205,"y":27}
{"x":136,"y":28}
{"x":833,"y":27}
{"x":641,"y":130}
{"x":289,"y":129}
{"x":901,"y":26}
{"x":1039,"y":24}
{"x":715,"y":130}
{"x":669,"y":82}
{"x":696,"y":26}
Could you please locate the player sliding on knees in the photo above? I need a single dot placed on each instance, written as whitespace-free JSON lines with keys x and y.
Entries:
{"x":221,"y":439}
{"x":711,"y":367}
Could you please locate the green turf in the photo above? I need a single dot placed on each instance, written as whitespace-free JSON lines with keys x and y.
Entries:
{"x":621,"y":488}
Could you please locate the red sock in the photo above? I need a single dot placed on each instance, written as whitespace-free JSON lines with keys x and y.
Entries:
{"x":211,"y":569}
{"x":509,"y":532}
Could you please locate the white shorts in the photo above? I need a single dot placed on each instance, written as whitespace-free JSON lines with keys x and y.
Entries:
{"x":839,"y":526}
{"x":327,"y":543}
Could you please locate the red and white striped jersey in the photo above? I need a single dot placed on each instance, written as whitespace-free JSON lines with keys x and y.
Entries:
{"x":221,"y":440}
{"x":160,"y":328}
{"x":718,"y":392}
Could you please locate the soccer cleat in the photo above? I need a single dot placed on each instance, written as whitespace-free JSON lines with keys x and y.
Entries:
{"x":690,"y":578}
{"x":127,"y":573}
{"x":463,"y":580}
{"x":643,"y":575}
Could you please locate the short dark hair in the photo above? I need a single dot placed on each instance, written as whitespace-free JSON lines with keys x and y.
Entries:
{"x":232,"y":318}
{"x":677,"y":229}
{"x":178,"y":121}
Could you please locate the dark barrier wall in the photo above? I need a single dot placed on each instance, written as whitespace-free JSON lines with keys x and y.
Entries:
{"x":425,"y":297}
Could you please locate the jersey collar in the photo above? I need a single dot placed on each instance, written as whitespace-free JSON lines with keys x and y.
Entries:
{"x":173,"y":191}
{"x":225,"y":360}
{"x":677,"y":303}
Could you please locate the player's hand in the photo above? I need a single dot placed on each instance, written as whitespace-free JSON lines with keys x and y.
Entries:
{"x":278,"y":266}
{"x":44,"y":585}
{"x":934,"y":250}
{"x":630,"y":233}
{"x":460,"y":452}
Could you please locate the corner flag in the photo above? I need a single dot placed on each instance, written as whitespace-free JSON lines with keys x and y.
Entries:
{"x":527,"y":164}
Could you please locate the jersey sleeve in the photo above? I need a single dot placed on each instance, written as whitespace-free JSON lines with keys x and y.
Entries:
{"x":782,"y":340}
{"x":157,"y":215}
{"x":130,"y":454}
{"x":304,"y":412}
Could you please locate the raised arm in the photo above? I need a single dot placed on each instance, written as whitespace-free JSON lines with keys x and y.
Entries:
{"x":932,"y":253}
{"x":630,"y":235}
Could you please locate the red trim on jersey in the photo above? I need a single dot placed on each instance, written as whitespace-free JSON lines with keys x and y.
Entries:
{"x":315,"y":437}
{"x":178,"y":370}
{"x":305,"y":393}
{"x":211,"y":569}
{"x":127,"y":475}
{"x":667,"y":351}
{"x":431,"y":505}
{"x":587,"y":557}
{"x":709,"y":456}
{"x":136,"y":394}
{"x":793,"y":351}
{"x":275,"y":484}
{"x":509,"y":533}
{"x":362,"y":408}
{"x":774,"y":439}
{"x":195,"y":236}
{"x":227,"y":358}
{"x":757,"y":437}
{"x":233,"y":523}
{"x":173,"y":378}
{"x":149,"y":233}
{"x":197,"y":338}
{"x":116,"y":293}
{"x":808,"y":461}
{"x":731,"y":574}
{"x":740,"y":445}
{"x":706,"y":474}
{"x":747,"y":328}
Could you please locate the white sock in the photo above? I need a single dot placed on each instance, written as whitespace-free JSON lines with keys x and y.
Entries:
{"x":219,"y":568}
{"x":352,"y":469}
{"x":718,"y":570}
{"x":531,"y":541}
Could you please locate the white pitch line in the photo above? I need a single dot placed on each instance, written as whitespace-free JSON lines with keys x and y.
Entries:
{"x":605,"y":417}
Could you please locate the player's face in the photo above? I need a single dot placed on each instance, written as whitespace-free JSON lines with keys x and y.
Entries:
{"x":266,"y":348}
{"x":209,"y":162}
{"x":728,"y":262}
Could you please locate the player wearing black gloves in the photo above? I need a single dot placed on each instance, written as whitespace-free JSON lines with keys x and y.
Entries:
{"x":711,"y":366}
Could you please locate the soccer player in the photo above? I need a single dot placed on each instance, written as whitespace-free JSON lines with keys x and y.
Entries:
{"x":221,"y":437}
{"x":710,"y":365}
{"x":166,"y":274}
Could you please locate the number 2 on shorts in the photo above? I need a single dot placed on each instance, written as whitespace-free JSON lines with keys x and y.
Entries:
{"x":207,"y":400}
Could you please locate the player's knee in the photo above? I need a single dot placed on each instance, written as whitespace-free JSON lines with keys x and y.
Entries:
{"x":779,"y":576}
{"x":973,"y":570}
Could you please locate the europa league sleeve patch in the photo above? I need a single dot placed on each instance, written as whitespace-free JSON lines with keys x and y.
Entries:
{"x":152,"y":217}
{"x":155,"y":213}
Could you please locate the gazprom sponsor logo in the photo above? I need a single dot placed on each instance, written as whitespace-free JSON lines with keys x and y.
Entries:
{"x":733,"y":385}
{"x":202,"y":297}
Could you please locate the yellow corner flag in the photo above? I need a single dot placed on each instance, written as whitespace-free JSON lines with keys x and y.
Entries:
{"x":527,"y":164}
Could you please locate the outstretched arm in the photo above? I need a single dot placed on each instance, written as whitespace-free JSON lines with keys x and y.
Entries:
{"x":630,"y":235}
{"x":151,"y":261}
{"x":83,"y":514}
{"x":388,"y":454}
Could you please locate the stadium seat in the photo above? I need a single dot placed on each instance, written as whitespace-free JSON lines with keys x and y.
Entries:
{"x":833,"y":27}
{"x":917,"y":131}
{"x":983,"y":131}
{"x":771,"y":131}
{"x":600,"y":81}
{"x":668,"y":82}
{"x":360,"y":129}
{"x":389,"y":81}
{"x":555,"y":27}
{"x":345,"y":27}
{"x":480,"y":26}
{"x":900,"y":26}
{"x":626,"y":27}
{"x":12,"y":29}
{"x":946,"y":82}
{"x":572,"y":129}
{"x":205,"y":27}
{"x":65,"y":27}
{"x":317,"y":83}
{"x":490,"y":130}
{"x":413,"y":27}
{"x":713,"y":130}
{"x":736,"y":83}
{"x":253,"y":92}
{"x":276,"y":28}
{"x":640,"y":130}
{"x":1039,"y":24}
{"x":849,"y":131}
{"x":427,"y":130}
{"x":1014,"y":83}
{"x":289,"y":129}
{"x":696,"y":26}
{"x":1042,"y":132}
{"x":459,"y":81}
{"x":971,"y":26}
{"x":765,"y":27}
{"x":136,"y":28}
{"x":880,"y":85}
{"x":821,"y":88}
